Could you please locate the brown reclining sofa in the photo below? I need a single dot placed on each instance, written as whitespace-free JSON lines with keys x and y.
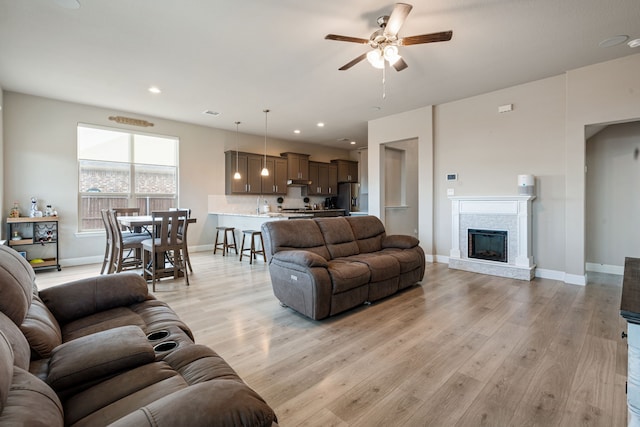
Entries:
{"x":324,"y":266}
{"x":103,"y":351}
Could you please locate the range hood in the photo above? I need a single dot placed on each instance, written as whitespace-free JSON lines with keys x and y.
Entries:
{"x":298,"y":183}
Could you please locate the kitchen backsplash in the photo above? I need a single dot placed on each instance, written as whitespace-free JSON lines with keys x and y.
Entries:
{"x":248,"y":204}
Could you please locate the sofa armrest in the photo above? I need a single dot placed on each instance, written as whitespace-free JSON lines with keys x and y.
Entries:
{"x":97,"y":356}
{"x":399,"y":241}
{"x":301,"y":257}
{"x":211,"y":403}
{"x":81,"y":298}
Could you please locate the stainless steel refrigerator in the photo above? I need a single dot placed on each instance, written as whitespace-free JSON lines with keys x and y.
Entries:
{"x":349,"y":197}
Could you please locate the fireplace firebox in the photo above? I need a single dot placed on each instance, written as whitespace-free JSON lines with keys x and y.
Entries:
{"x":489,"y":245}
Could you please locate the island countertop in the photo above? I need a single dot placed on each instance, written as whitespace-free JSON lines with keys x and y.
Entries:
{"x":268,"y":216}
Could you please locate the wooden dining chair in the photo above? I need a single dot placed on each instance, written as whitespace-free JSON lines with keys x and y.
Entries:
{"x":127,"y":248}
{"x":164,"y":253}
{"x":107,"y":262}
{"x":182,"y":235}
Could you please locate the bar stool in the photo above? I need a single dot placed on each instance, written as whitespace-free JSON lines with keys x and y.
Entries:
{"x":225,"y":245}
{"x":252,"y":249}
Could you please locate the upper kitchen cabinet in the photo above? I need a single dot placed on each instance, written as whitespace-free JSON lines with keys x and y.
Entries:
{"x":324,"y":179}
{"x":276,"y":182}
{"x":297,"y":165}
{"x":347,"y":170}
{"x":249,"y":166}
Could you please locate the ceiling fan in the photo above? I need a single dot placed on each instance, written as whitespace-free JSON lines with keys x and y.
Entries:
{"x":385,"y":41}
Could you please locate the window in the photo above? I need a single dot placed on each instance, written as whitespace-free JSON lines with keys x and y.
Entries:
{"x":121,"y":169}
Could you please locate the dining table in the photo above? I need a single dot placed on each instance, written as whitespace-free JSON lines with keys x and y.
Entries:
{"x":143,"y":223}
{"x":140,"y":223}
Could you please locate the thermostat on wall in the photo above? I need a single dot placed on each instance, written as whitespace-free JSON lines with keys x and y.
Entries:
{"x":452,"y":177}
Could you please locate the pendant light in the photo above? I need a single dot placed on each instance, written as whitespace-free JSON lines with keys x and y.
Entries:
{"x":265,"y":171}
{"x":237,"y":174}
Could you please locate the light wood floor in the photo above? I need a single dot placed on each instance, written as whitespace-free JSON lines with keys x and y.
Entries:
{"x":461,"y":349}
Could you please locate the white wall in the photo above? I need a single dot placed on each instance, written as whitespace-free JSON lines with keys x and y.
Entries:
{"x":40,"y":160}
{"x":544,"y":135}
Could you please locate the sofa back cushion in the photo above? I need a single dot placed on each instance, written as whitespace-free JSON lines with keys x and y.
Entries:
{"x":368,"y":231}
{"x":41,"y":329}
{"x":16,"y":284}
{"x":293,"y":234}
{"x":6,"y":369}
{"x":338,"y":237}
{"x":19,"y":344}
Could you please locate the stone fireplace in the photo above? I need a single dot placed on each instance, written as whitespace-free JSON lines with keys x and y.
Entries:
{"x":492,"y":235}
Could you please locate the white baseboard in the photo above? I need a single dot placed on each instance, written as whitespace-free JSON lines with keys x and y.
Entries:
{"x":70,"y":262}
{"x":542,"y":273}
{"x":605,"y":268}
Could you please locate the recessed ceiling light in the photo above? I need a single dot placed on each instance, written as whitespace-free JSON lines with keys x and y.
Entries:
{"x":613,"y":41}
{"x":320,"y":124}
{"x":352,"y":143}
{"x":634,"y":43}
{"x":211,"y":113}
{"x":154,"y":89}
{"x":296,"y":131}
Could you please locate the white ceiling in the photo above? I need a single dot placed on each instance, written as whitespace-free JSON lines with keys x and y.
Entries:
{"x":240,"y":57}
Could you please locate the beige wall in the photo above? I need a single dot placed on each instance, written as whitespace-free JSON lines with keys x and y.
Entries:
{"x":488,"y":150}
{"x":613,"y":197}
{"x":544,"y":135}
{"x":2,"y":205}
{"x":414,"y":124}
{"x":40,"y":160}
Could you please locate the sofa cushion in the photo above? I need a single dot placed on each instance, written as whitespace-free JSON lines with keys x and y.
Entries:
{"x":149,"y":315}
{"x":16,"y":284}
{"x":218,"y":403}
{"x":31,"y":403}
{"x":408,"y":259}
{"x":338,"y":237}
{"x":381,"y":266}
{"x":294,"y":234}
{"x":81,"y":298}
{"x":114,"y":398}
{"x":346,"y":275}
{"x":41,"y":329}
{"x":368,"y":231}
{"x":6,"y":369}
{"x":19,"y":344}
{"x":98,"y":356}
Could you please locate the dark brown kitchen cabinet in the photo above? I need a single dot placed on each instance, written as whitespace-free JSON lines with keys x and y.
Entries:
{"x":251,"y":181}
{"x":324,"y":179}
{"x":249,"y":166}
{"x":276,"y":182}
{"x":297,"y":165}
{"x":347,"y":170}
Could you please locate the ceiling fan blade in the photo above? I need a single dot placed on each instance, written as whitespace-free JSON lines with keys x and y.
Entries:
{"x":426,"y":38}
{"x":396,"y":19}
{"x":400,"y":65}
{"x":353,"y":62}
{"x":346,"y":39}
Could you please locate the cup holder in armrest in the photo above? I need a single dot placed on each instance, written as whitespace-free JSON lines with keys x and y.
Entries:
{"x":158,"y":335}
{"x":165,"y":346}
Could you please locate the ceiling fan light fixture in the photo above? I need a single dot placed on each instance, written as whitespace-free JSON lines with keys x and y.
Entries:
{"x":390,"y":53}
{"x":376,"y":58}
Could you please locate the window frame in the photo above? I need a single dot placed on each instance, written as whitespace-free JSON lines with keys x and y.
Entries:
{"x":132,"y":197}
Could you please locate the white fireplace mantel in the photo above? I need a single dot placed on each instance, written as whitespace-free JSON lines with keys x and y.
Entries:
{"x":509,"y":213}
